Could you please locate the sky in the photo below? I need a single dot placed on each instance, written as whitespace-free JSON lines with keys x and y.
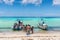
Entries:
{"x":30,"y":8}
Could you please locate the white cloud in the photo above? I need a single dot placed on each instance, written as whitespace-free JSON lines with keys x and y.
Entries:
{"x":56,"y":2}
{"x":8,"y":1}
{"x":36,"y":2}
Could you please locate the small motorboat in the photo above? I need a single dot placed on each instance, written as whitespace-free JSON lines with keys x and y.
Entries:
{"x":43,"y":26}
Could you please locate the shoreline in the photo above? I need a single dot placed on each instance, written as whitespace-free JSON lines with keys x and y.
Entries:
{"x":35,"y":36}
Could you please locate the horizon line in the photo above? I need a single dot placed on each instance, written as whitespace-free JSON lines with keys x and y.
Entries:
{"x":29,"y":17}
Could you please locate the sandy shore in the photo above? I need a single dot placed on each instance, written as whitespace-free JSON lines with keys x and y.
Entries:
{"x":20,"y":35}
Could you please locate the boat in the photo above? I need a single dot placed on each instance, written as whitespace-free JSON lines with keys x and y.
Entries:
{"x":43,"y":26}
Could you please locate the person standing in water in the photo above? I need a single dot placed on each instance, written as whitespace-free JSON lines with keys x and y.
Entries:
{"x":20,"y":25}
{"x":15,"y":26}
{"x":32,"y":29}
{"x":28,"y":29}
{"x":41,"y":22}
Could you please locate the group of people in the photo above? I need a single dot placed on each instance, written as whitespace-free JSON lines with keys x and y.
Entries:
{"x":28,"y":28}
{"x":20,"y":26}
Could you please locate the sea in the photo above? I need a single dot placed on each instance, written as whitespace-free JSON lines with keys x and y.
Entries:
{"x":6,"y":23}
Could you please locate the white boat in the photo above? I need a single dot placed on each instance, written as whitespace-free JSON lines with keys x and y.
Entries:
{"x":43,"y":26}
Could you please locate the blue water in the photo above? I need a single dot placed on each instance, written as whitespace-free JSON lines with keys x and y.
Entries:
{"x":7,"y":22}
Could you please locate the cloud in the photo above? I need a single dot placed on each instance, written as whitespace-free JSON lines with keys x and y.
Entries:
{"x":56,"y":2}
{"x":36,"y":2}
{"x":10,"y":2}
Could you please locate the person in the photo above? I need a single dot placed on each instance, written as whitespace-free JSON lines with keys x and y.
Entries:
{"x":18,"y":21}
{"x":15,"y":26}
{"x":41,"y":22}
{"x":28,"y":29}
{"x":25,"y":29}
{"x":32,"y":28}
{"x":20,"y":25}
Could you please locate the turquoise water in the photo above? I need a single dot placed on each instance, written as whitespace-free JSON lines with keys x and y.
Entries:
{"x":51,"y":22}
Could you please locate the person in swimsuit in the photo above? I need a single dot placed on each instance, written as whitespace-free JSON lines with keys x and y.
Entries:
{"x":28,"y":29}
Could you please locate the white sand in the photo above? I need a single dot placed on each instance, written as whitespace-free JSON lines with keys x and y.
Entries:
{"x":20,"y":35}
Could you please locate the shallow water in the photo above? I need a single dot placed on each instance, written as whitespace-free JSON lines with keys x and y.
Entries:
{"x":7,"y":23}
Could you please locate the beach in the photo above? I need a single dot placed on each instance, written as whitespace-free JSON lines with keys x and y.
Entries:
{"x":53,"y":32}
{"x":20,"y":35}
